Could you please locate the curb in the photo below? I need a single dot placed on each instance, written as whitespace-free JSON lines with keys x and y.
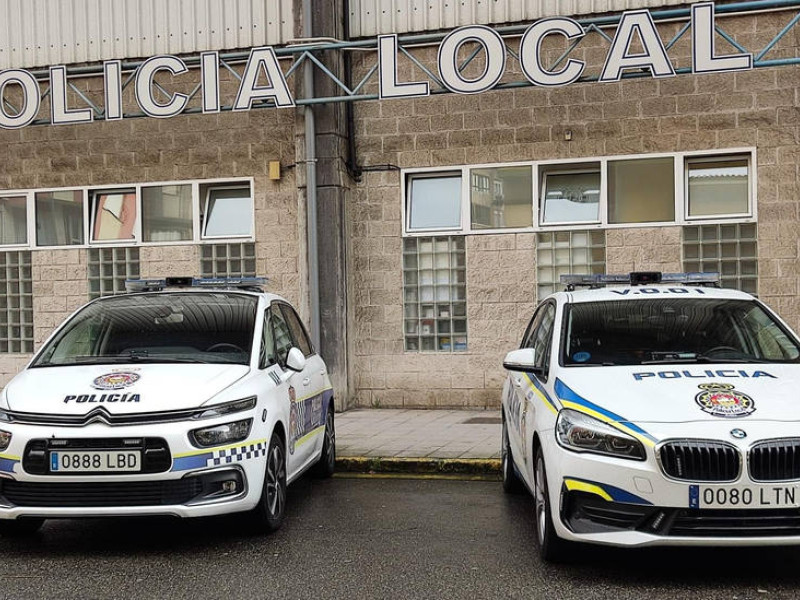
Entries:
{"x":488,"y":468}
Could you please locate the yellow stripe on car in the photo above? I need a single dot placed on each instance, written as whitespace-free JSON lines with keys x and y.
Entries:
{"x":574,"y":485}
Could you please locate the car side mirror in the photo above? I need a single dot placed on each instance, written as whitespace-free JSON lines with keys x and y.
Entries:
{"x":520,"y":360}
{"x":295,"y":361}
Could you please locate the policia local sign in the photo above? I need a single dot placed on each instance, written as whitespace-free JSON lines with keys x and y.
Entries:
{"x":635,"y":29}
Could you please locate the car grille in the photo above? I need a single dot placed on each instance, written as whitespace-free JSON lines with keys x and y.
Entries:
{"x":698,"y":460}
{"x":776,"y":460}
{"x":63,"y":495}
{"x":156,"y":457}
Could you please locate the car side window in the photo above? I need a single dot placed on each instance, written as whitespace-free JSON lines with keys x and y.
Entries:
{"x":267,"y":356}
{"x":299,"y":334}
{"x":530,"y":333}
{"x":543,"y":339}
{"x":283,"y":337}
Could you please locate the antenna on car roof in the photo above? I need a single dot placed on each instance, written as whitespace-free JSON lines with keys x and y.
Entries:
{"x":250,"y":284}
{"x":640,"y":278}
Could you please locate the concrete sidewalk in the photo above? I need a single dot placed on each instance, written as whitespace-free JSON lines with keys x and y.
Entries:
{"x":418,"y":441}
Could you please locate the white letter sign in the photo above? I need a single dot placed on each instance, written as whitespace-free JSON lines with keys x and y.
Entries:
{"x":263,"y":59}
{"x":144,"y":87}
{"x":704,"y":59}
{"x":387,"y":71}
{"x":494,"y":48}
{"x":654,"y":56}
{"x":59,"y":113}
{"x":30,"y":98}
{"x":530,"y":52}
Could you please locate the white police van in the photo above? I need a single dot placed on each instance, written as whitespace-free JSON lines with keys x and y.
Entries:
{"x":189,"y":397}
{"x":651,"y":409}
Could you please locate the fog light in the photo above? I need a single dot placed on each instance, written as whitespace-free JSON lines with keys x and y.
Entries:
{"x":229,"y":487}
{"x":5,"y":439}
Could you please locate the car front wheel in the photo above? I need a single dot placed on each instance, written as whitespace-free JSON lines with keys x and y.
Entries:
{"x":271,"y":508}
{"x":327,"y":460}
{"x":551,"y":547}
{"x":511,"y":481}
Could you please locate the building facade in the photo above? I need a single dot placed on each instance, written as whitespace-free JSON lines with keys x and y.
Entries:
{"x":442,"y":215}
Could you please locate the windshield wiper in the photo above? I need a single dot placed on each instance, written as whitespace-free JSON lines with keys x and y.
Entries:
{"x":700,"y":358}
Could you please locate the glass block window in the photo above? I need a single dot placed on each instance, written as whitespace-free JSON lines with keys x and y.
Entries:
{"x":16,"y":303}
{"x":730,"y":249}
{"x":564,"y":252}
{"x":228,"y":260}
{"x":435,"y":294}
{"x":109,"y":268}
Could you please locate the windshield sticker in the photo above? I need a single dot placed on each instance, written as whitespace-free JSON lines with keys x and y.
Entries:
{"x":721,"y":400}
{"x":115,"y":381}
{"x":103,"y":398}
{"x":707,"y":374}
{"x":581,"y":357}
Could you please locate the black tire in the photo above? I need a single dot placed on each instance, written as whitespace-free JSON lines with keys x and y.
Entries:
{"x":327,"y":460}
{"x":20,"y":527}
{"x":551,"y":547}
{"x":268,"y":514}
{"x":511,"y":481}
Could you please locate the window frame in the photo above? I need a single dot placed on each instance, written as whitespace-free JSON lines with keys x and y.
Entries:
{"x":681,"y":192}
{"x":138,"y":240}
{"x":437,"y":172}
{"x":602,"y":204}
{"x":207,"y":202}
{"x":92,"y":194}
{"x":717,"y":157}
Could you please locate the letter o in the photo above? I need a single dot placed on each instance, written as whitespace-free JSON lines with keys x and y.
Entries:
{"x":494,"y":48}
{"x":30,"y":96}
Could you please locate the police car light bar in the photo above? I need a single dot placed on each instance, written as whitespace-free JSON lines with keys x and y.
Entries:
{"x":156,"y":285}
{"x":640,"y":278}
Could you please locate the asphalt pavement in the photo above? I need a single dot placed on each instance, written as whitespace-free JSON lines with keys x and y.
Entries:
{"x":372,"y":538}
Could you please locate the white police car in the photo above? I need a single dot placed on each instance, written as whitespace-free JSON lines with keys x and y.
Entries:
{"x":646,"y":410}
{"x":191,"y":397}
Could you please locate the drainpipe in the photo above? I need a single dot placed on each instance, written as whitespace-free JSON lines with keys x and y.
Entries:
{"x":311,"y":182}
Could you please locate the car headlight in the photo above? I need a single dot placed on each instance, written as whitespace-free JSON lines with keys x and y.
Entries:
{"x":5,"y":439}
{"x":228,"y":408}
{"x":582,"y":433}
{"x":219,"y":435}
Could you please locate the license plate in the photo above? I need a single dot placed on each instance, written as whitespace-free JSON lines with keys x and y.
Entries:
{"x":96,"y":461}
{"x":768,"y":496}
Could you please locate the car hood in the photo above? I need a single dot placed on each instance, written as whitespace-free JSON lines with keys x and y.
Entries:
{"x":120,"y":389}
{"x":733,"y":393}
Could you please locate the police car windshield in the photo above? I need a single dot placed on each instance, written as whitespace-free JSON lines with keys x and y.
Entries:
{"x":157,"y":328}
{"x":673,"y":331}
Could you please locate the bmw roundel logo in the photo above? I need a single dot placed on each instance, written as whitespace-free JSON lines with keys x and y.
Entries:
{"x":739,"y":434}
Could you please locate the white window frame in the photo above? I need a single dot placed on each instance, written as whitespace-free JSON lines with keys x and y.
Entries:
{"x":88,"y":217}
{"x":28,"y":210}
{"x":91,"y":197}
{"x":429,"y":173}
{"x":681,"y":195}
{"x":207,"y":201}
{"x":601,"y":202}
{"x":751,"y":189}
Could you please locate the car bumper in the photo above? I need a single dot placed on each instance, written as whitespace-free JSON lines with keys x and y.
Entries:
{"x":603,"y":500}
{"x":189,"y":482}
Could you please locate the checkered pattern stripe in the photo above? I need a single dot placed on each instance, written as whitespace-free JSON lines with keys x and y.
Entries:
{"x":223,"y":457}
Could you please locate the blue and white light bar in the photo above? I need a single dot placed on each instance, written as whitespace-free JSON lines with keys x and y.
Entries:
{"x":156,"y":285}
{"x":640,"y":278}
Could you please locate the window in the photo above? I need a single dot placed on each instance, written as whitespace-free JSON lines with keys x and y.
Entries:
{"x":502,"y":197}
{"x":228,"y":260}
{"x":435,"y":294}
{"x":59,"y":218}
{"x":227,"y":211}
{"x":299,"y":334}
{"x":434,"y":201}
{"x":564,"y":252}
{"x":110,"y":268}
{"x":16,"y":303}
{"x":641,"y":190}
{"x":167,"y":213}
{"x":283,"y":337}
{"x":718,"y":186}
{"x":730,"y":250}
{"x":113,"y":215}
{"x":570,"y":196}
{"x":13,"y":220}
{"x":267,"y":356}
{"x":542,"y":339}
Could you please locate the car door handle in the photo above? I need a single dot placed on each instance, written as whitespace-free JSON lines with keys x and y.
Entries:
{"x":307,"y":380}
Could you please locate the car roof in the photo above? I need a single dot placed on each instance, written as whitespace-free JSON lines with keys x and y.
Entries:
{"x":269,"y":297}
{"x":617,"y":293}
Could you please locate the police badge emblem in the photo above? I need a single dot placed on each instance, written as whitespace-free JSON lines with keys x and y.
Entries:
{"x":722,"y":400}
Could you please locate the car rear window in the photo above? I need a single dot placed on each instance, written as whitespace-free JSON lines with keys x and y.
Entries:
{"x":663,"y":331}
{"x":165,"y":328}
